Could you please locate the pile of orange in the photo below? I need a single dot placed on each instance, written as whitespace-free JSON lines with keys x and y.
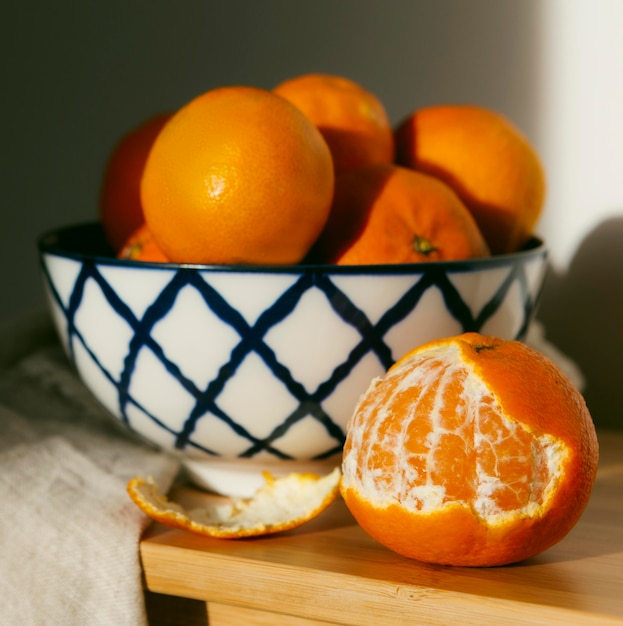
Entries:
{"x":313,"y":171}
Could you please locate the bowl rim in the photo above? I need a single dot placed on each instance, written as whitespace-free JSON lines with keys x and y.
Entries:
{"x":50,"y":243}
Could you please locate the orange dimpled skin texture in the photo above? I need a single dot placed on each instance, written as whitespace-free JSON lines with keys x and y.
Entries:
{"x":237,"y":175}
{"x":390,"y":214}
{"x":471,"y":451}
{"x":486,"y":160}
{"x":352,"y":119}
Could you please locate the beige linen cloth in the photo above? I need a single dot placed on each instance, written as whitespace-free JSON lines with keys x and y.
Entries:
{"x":68,"y":532}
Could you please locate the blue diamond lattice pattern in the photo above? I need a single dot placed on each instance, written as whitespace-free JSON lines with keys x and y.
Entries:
{"x":251,"y":339}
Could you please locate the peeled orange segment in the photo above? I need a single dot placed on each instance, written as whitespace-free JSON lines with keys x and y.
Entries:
{"x":280,"y":504}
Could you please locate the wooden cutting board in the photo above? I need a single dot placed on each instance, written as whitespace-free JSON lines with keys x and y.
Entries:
{"x":330,"y":571}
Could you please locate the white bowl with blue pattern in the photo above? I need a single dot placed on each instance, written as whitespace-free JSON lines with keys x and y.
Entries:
{"x":241,"y":369}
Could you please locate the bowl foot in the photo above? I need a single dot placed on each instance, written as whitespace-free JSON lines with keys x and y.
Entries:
{"x":241,"y":478}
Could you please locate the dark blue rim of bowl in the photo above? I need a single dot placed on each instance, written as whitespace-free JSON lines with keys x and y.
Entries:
{"x":86,"y":242}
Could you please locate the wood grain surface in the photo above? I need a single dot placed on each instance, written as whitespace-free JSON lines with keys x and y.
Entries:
{"x":330,"y":571}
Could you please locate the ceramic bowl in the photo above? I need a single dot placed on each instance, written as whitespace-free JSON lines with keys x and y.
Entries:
{"x":242,"y":369}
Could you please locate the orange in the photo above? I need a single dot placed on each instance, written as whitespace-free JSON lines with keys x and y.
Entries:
{"x":470,"y":451}
{"x":120,"y":209}
{"x":237,"y":175}
{"x":390,"y":214}
{"x":140,"y":246}
{"x":280,"y":504}
{"x":352,"y":119}
{"x":486,"y":160}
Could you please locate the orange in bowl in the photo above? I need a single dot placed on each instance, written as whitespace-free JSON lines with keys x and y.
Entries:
{"x":120,"y":208}
{"x":470,"y":451}
{"x":352,"y":119}
{"x":390,"y":214}
{"x":238,"y":175}
{"x":141,"y":246}
{"x":486,"y":160}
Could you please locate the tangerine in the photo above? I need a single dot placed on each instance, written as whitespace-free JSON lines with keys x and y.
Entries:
{"x":141,"y":246}
{"x":486,"y":160}
{"x":352,"y":119}
{"x":390,"y":214}
{"x":120,"y":208}
{"x":470,"y":451}
{"x":237,"y":175}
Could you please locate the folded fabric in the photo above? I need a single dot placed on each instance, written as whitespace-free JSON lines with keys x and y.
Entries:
{"x":68,"y":531}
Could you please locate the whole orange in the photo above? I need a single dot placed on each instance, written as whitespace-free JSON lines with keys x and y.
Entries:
{"x":120,"y":208}
{"x":470,"y":451}
{"x":486,"y":160}
{"x":390,"y":214}
{"x":140,"y":246}
{"x":237,"y":175}
{"x":352,"y":119}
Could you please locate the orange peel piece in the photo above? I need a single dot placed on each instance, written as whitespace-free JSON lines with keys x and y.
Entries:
{"x":280,"y":504}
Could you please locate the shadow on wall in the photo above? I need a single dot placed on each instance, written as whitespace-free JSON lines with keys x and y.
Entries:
{"x":582,"y":311}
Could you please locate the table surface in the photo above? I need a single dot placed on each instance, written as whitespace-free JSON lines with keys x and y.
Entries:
{"x":329,"y":570}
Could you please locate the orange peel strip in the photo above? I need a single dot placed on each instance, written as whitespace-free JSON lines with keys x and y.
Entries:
{"x":280,"y":504}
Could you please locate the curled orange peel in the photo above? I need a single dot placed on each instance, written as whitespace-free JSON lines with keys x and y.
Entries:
{"x":280,"y":504}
